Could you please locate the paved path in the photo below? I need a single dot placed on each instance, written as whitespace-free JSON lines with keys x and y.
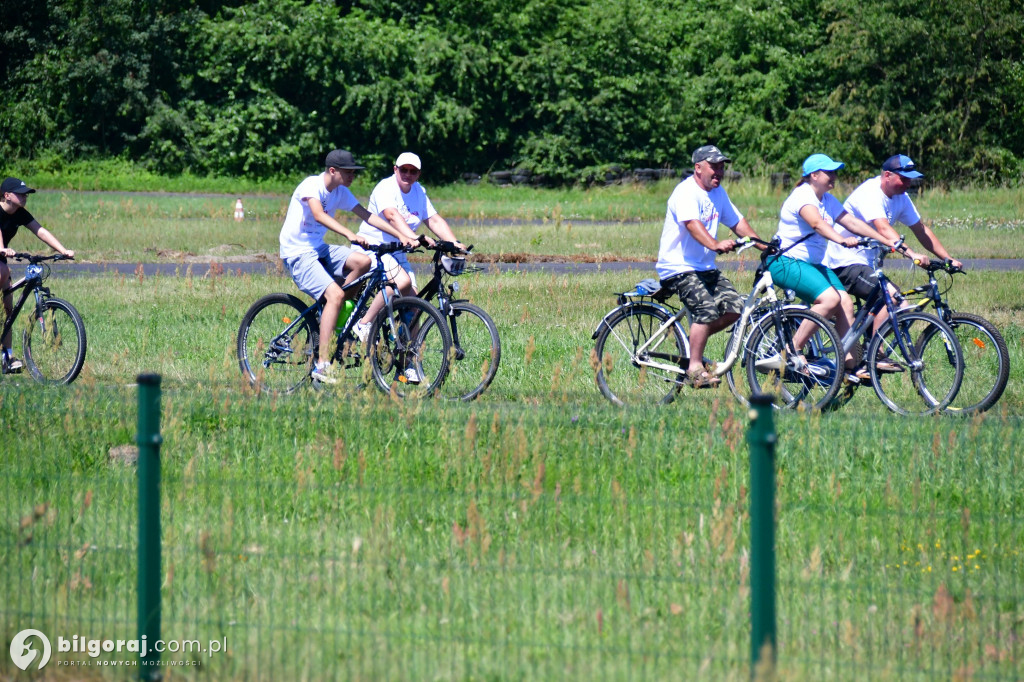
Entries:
{"x":202,"y":269}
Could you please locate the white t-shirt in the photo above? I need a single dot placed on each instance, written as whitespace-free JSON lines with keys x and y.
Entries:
{"x":415,"y":208}
{"x":868,"y":202}
{"x":301,"y":233}
{"x":679,"y":251}
{"x":793,"y":227}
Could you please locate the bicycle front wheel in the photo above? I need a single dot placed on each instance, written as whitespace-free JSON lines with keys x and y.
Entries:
{"x":986,"y":364}
{"x":409,"y":348}
{"x":55,"y":343}
{"x":772,"y":367}
{"x":618,"y":357}
{"x":916,"y":365}
{"x":277,"y":344}
{"x":476,"y":350}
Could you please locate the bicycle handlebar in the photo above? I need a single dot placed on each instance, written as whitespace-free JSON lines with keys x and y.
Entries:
{"x":450,"y":248}
{"x":32,"y":258}
{"x":946,"y":265}
{"x":390,"y":247}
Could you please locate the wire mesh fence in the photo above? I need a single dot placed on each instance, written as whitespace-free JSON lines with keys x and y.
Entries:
{"x":497,"y":543}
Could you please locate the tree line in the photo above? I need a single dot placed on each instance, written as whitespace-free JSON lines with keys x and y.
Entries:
{"x":559,"y":88}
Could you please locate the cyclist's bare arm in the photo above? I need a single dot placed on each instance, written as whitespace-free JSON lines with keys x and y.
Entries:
{"x":397,"y":226}
{"x":885,"y":228}
{"x":329,"y":221}
{"x":699,"y":232}
{"x":439,"y":226}
{"x":811,"y":216}
{"x":49,"y":239}
{"x":929,"y":241}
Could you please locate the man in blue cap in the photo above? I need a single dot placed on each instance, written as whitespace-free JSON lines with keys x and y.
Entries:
{"x":882,"y":202}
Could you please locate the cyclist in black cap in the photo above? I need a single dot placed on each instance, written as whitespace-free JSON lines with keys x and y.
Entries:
{"x":13,"y":216}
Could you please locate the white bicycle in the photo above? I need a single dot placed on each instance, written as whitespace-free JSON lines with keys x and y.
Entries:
{"x":642,"y":351}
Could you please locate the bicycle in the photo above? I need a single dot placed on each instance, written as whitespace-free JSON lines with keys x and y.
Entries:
{"x":54,"y":341}
{"x":279,"y":338}
{"x":644,"y":333}
{"x":913,"y":356}
{"x":986,"y":357}
{"x":476,"y":346}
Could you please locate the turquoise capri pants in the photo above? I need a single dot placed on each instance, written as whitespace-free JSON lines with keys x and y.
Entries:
{"x":808,"y":280}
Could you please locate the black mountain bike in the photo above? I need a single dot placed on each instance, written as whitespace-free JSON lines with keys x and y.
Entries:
{"x":986,"y":358}
{"x":54,"y":340}
{"x":914,"y":360}
{"x":476,"y":347}
{"x":279,"y":339}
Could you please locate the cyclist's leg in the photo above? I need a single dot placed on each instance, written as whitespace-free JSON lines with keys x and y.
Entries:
{"x":5,"y":281}
{"x":820,"y":286}
{"x":713,"y":303}
{"x":400,"y":274}
{"x":861,"y":281}
{"x":310,"y":276}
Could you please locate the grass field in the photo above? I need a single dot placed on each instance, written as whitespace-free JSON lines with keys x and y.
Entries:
{"x":536,"y":533}
{"x":609,"y":223}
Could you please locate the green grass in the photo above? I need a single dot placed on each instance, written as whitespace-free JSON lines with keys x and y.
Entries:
{"x":621,"y":222}
{"x":536,"y":533}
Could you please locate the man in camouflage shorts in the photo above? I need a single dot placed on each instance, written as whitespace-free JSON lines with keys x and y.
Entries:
{"x":686,"y":257}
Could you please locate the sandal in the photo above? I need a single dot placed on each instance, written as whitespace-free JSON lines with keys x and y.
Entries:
{"x":887,"y":366}
{"x":860,"y":373}
{"x":701,"y":379}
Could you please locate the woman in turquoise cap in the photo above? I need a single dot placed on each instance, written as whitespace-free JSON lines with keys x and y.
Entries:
{"x":805,"y":228}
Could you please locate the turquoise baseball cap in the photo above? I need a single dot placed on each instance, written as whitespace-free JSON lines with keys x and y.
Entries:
{"x":821,"y":162}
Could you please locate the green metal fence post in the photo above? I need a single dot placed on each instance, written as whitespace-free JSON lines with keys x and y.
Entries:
{"x":761,"y":439}
{"x":149,"y":440}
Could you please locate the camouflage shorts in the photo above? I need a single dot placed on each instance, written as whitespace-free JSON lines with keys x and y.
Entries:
{"x":707,"y":295}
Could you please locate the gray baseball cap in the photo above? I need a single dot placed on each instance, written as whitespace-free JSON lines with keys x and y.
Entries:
{"x":709,"y":153}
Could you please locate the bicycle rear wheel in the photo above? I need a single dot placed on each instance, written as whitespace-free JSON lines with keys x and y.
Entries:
{"x":277,"y":344}
{"x":414,"y":337}
{"x":986,"y":364}
{"x":476,"y":349}
{"x":927,"y":375}
{"x":619,"y":376}
{"x":55,"y":343}
{"x":770,"y":365}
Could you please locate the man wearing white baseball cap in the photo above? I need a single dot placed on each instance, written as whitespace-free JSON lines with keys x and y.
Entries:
{"x":402,"y":201}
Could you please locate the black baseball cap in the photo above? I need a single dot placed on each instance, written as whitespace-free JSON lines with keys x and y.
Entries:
{"x":342,"y":158}
{"x":15,"y":185}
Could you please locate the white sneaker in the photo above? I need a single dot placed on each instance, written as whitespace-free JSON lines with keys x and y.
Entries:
{"x":10,"y":364}
{"x":324,"y":373}
{"x":362,"y":331}
{"x":412,"y":376}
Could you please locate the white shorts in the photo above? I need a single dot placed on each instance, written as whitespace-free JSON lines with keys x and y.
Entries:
{"x":392,"y":262}
{"x":308,"y":270}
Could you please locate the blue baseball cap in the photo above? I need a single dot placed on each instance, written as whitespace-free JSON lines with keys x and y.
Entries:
{"x":901,"y":165}
{"x":821,"y":162}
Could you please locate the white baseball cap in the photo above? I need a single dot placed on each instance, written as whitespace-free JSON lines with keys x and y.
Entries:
{"x":408,"y":159}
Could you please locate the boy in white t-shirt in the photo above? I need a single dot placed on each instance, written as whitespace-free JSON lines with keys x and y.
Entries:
{"x":686,"y":256}
{"x":314,"y":264}
{"x":402,"y":201}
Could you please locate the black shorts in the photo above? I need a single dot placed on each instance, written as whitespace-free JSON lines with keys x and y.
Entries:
{"x":859,"y":280}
